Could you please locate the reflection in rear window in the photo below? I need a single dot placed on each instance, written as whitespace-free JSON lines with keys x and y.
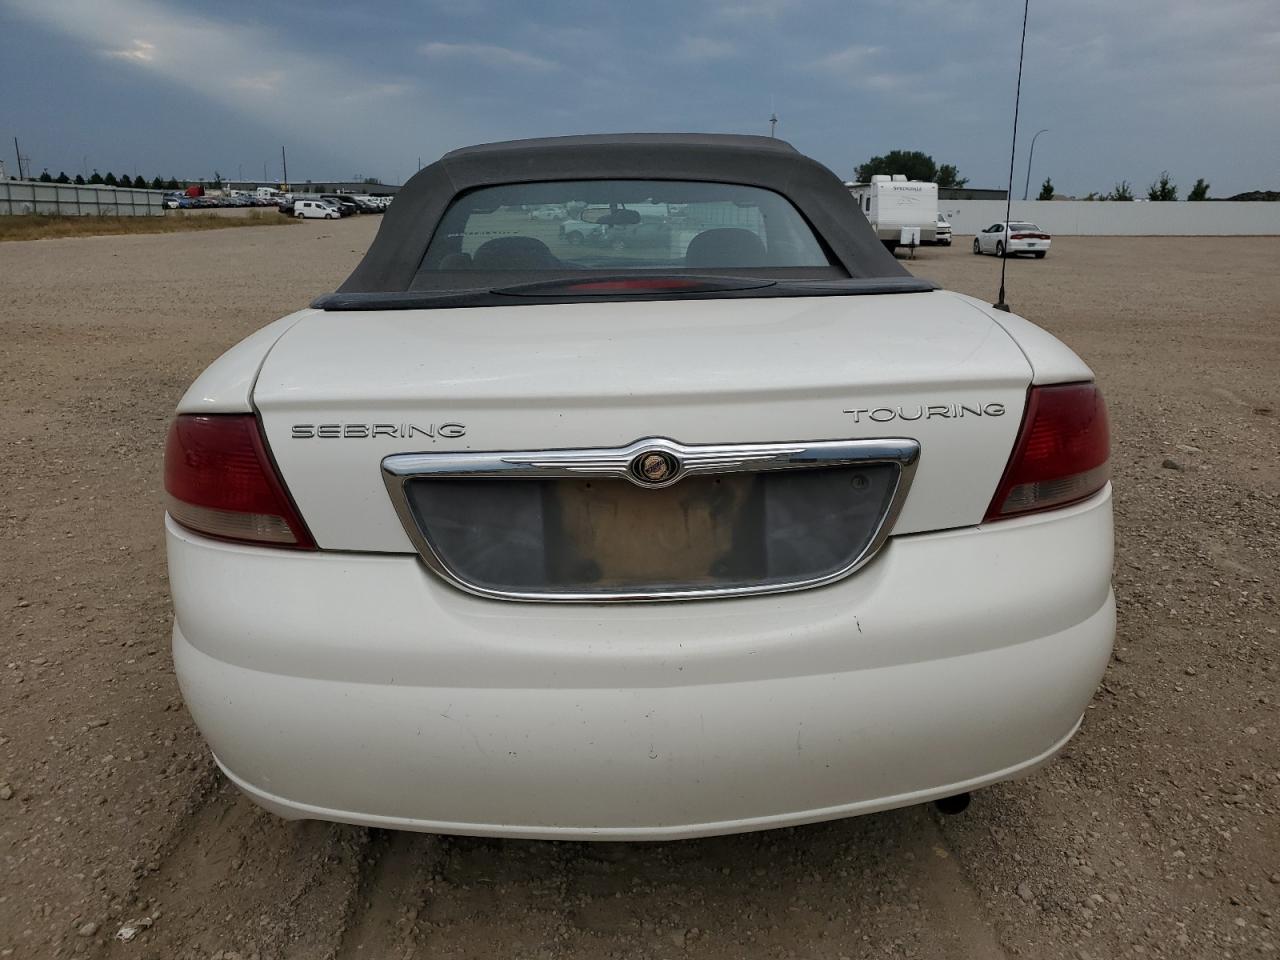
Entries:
{"x":619,"y":226}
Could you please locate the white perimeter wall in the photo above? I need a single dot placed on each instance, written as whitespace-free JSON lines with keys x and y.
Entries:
{"x":66,"y":199}
{"x":1121,"y":218}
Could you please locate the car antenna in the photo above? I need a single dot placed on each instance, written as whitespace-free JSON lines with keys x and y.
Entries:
{"x":1000,"y":303}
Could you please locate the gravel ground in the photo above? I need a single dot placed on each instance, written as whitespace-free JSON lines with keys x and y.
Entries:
{"x":1155,"y":835}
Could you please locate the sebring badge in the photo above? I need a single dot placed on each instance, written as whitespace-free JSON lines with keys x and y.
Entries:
{"x":372,"y":431}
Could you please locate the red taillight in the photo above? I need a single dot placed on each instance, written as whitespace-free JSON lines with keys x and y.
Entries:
{"x":1061,"y":454}
{"x":1020,"y":236}
{"x":221,"y":482}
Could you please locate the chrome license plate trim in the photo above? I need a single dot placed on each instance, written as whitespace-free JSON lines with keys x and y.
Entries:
{"x":620,"y":463}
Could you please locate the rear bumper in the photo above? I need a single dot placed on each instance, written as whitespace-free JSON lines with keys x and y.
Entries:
{"x":1028,"y":246}
{"x":895,"y":234}
{"x":359,"y":688}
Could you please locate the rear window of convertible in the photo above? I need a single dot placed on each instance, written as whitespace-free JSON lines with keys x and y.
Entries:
{"x":617,"y":226}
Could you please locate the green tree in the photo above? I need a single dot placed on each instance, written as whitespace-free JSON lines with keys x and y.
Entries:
{"x":110,"y":180}
{"x":45,"y":176}
{"x":949,"y":177}
{"x":1121,"y":191}
{"x":157,"y":184}
{"x":1163,"y":189}
{"x":912,"y":164}
{"x":95,"y":177}
{"x":1200,"y":191}
{"x":78,"y":181}
{"x":62,"y":177}
{"x":1046,"y":190}
{"x":172,"y":184}
{"x":217,"y":181}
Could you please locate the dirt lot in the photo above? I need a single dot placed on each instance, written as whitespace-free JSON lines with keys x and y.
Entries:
{"x":42,"y":227}
{"x":1155,"y":835}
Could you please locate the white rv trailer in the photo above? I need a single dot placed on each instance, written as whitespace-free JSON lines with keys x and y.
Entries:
{"x":894,"y":203}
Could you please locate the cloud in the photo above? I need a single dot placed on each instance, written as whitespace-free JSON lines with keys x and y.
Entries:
{"x":376,"y":91}
{"x":224,"y":62}
{"x":261,"y":83}
{"x":141,"y":52}
{"x":845,"y":64}
{"x":488,"y":55}
{"x":1127,"y":88}
{"x":747,"y":11}
{"x":704,"y":49}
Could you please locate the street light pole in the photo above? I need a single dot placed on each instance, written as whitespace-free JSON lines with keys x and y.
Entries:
{"x":1026,"y":188}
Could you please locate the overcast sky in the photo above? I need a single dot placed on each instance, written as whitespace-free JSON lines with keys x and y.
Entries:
{"x":185,"y":88}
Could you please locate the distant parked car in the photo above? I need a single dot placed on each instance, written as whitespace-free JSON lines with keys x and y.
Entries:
{"x":285,"y":205}
{"x":580,"y":231}
{"x":942,"y":235}
{"x":315,"y":210}
{"x":346,"y":206}
{"x":548,"y":212}
{"x":1012,"y":239}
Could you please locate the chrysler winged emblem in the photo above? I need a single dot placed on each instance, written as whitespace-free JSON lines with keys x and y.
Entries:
{"x":655,"y":467}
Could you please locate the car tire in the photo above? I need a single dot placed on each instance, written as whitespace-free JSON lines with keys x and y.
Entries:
{"x":977,"y":247}
{"x":298,"y":214}
{"x":999,"y":248}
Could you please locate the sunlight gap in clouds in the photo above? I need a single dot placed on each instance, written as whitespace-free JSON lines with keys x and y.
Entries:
{"x":258,"y":75}
{"x":140,"y":52}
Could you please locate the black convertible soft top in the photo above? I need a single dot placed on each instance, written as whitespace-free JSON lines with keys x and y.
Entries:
{"x":397,"y":252}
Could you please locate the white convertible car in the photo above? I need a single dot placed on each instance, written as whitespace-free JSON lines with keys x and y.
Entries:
{"x":743,"y":528}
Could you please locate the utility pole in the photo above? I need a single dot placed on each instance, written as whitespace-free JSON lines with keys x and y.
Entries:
{"x":18,"y":151}
{"x":1026,"y":187}
{"x":284,"y":166}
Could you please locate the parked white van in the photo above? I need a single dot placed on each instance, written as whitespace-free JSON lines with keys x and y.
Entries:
{"x":315,"y":210}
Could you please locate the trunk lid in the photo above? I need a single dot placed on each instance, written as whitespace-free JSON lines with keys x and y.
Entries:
{"x":340,"y":391}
